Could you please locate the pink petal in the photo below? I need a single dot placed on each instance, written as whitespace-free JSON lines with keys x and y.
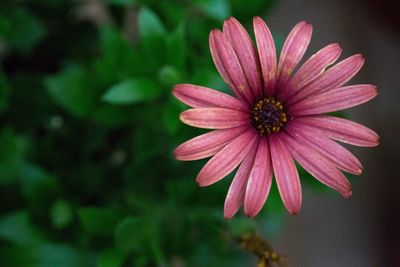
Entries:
{"x":228,"y":66}
{"x":214,"y":118}
{"x":206,"y":145}
{"x":339,"y":129}
{"x":312,"y":69}
{"x":203,"y":97}
{"x":331,"y":79}
{"x":286,"y":175}
{"x":293,"y":50}
{"x":334,"y":100}
{"x":335,"y":153}
{"x":267,"y":53}
{"x":260,"y":180}
{"x":227,"y":159}
{"x":318,"y":166}
{"x":245,"y":52}
{"x":236,"y":191}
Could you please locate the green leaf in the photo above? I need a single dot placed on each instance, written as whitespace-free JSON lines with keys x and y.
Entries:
{"x":38,"y":186}
{"x":149,"y":24}
{"x":122,"y":2}
{"x":132,"y":91}
{"x":23,"y":30}
{"x":152,"y":36}
{"x":171,"y":115}
{"x":111,"y":258}
{"x":61,"y":214}
{"x":45,"y":255}
{"x":131,"y":234}
{"x":119,"y":60}
{"x":17,"y":228}
{"x":74,"y":90}
{"x":177,"y":48}
{"x":98,"y":221}
{"x":169,"y":76}
{"x":12,"y":156}
{"x":217,"y":9}
{"x":244,"y":12}
{"x":4,"y":91}
{"x":209,"y":78}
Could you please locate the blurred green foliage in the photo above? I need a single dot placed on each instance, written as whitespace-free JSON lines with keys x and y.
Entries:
{"x":88,"y":122}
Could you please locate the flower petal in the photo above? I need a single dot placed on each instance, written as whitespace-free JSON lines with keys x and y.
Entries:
{"x":227,"y":159}
{"x":237,"y":189}
{"x":311,"y":69}
{"x":293,"y":50}
{"x":286,"y":175}
{"x":335,"y":153}
{"x":245,"y":52}
{"x":203,"y":97}
{"x":267,"y":53}
{"x":340,"y":129}
{"x":260,"y":180}
{"x":330,"y":79}
{"x":214,"y":118}
{"x":334,"y":100}
{"x":206,"y":145}
{"x":317,"y":165}
{"x":228,"y":65}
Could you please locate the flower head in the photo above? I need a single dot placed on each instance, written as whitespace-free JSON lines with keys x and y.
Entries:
{"x":274,"y":117}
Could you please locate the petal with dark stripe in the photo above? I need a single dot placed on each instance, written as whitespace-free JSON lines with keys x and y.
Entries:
{"x":260,"y":180}
{"x":207,"y":144}
{"x":237,"y":189}
{"x":286,"y":175}
{"x":293,"y":50}
{"x":245,"y":52}
{"x":334,"y":100}
{"x":311,"y":69}
{"x":318,"y":166}
{"x":227,"y":159}
{"x":340,"y":129}
{"x":228,"y":65}
{"x":214,"y":118}
{"x":203,"y":97}
{"x":334,"y":152}
{"x":267,"y":53}
{"x":333,"y":78}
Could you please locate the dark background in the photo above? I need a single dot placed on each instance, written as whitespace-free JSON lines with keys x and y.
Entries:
{"x":363,"y":231}
{"x":88,"y":126}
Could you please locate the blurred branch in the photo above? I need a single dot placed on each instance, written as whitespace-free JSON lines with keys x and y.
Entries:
{"x":267,"y":257}
{"x":130,"y":26}
{"x":95,"y":11}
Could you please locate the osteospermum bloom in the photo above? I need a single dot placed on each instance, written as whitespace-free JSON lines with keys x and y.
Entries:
{"x":274,"y":117}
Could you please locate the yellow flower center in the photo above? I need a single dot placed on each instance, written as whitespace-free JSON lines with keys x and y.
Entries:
{"x":268,"y":116}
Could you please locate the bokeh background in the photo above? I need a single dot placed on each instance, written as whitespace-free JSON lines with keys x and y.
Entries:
{"x":88,"y":125}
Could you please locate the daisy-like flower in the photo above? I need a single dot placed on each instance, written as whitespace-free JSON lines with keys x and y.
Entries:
{"x":274,"y":117}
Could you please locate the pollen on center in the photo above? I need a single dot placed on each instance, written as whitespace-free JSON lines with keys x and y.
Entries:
{"x":268,"y":116}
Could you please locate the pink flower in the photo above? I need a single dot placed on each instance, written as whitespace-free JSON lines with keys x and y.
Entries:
{"x":274,"y":117}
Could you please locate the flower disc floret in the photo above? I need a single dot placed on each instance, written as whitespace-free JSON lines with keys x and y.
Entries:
{"x":268,"y":116}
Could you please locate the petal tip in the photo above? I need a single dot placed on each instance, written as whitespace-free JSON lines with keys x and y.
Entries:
{"x":200,"y":182}
{"x":229,"y":213}
{"x":360,"y":58}
{"x":182,"y":116}
{"x":228,"y":216}
{"x":295,"y":209}
{"x":347,"y":194}
{"x":250,"y":213}
{"x":294,"y":212}
{"x":176,"y":90}
{"x":213,"y":34}
{"x":337,"y":47}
